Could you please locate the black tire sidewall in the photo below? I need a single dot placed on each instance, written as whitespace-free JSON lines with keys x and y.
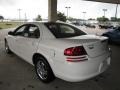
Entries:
{"x":6,"y":45}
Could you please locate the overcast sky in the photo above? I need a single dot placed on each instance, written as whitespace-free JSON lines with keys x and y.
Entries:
{"x":9,"y":8}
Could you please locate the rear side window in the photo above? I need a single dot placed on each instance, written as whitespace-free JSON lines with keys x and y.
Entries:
{"x":53,"y":28}
{"x":66,"y":29}
{"x":60,"y":30}
{"x":34,"y":31}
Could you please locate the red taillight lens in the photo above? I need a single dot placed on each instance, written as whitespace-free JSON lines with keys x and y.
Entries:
{"x":75,"y":51}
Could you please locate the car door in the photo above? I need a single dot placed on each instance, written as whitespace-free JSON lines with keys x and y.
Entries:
{"x":28,"y":43}
{"x":13,"y":39}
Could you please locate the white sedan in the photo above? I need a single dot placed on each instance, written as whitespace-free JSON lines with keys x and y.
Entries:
{"x":59,"y":50}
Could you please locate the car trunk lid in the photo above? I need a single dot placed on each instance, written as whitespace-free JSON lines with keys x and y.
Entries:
{"x":94,"y":45}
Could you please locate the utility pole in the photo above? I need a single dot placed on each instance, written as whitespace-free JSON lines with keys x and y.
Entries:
{"x":19,"y":11}
{"x":67,"y":11}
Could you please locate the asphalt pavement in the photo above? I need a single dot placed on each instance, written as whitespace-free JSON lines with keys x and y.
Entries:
{"x":16,"y":74}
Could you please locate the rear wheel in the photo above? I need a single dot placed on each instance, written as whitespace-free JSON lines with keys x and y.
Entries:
{"x":43,"y":70}
{"x":7,"y":49}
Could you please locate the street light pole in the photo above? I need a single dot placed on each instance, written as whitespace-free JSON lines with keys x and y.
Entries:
{"x":84,"y":15}
{"x":104,"y":10}
{"x":25,"y":17}
{"x":116,"y":11}
{"x":67,"y":10}
{"x":19,"y":10}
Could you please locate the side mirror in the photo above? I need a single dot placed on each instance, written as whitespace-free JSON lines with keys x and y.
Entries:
{"x":10,"y":33}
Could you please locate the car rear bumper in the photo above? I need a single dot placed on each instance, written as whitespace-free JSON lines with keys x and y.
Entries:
{"x":79,"y":71}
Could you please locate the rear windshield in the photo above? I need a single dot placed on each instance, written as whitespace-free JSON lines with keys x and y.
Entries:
{"x":60,"y":30}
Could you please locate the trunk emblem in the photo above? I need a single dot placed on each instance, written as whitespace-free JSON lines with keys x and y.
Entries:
{"x":91,"y":46}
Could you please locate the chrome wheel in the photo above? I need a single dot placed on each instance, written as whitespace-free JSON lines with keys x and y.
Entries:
{"x":42,"y":70}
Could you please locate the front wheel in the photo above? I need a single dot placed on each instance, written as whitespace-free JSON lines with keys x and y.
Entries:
{"x":43,"y":70}
{"x":7,"y":49}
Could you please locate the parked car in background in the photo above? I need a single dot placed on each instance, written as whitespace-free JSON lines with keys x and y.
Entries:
{"x":75,"y":23}
{"x":59,"y":50}
{"x":90,"y":25}
{"x":106,"y":26}
{"x":113,"y":35}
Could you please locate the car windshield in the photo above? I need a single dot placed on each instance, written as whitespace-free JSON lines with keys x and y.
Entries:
{"x":60,"y":30}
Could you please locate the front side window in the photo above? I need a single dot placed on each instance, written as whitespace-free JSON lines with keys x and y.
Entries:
{"x":20,"y":31}
{"x":27,"y":30}
{"x":60,"y":30}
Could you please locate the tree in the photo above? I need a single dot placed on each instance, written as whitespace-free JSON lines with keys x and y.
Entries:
{"x":118,"y":19}
{"x":38,"y":18}
{"x":1,"y":18}
{"x":61,"y":17}
{"x":102,"y":19}
{"x":113,"y":19}
{"x":91,"y":19}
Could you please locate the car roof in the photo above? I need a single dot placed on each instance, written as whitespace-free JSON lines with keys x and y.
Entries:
{"x":43,"y":22}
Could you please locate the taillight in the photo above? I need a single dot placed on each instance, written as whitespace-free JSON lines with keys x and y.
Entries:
{"x":75,"y":51}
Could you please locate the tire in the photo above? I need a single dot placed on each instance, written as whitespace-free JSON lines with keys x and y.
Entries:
{"x":7,"y":49}
{"x":43,"y":70}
